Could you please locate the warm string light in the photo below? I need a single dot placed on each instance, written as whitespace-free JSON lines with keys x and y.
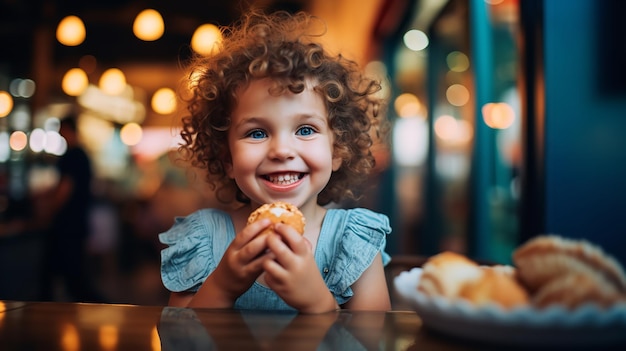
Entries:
{"x":131,"y":134}
{"x":205,"y":39}
{"x":164,"y":101}
{"x":457,"y":95}
{"x":407,"y":105}
{"x":498,"y":115}
{"x":453,"y":131}
{"x":113,"y":81}
{"x":149,"y":25}
{"x":18,"y":140}
{"x":6,"y":104}
{"x":74,"y":82}
{"x":71,"y":31}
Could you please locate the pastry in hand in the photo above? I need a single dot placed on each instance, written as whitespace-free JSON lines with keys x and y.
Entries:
{"x":279,"y":212}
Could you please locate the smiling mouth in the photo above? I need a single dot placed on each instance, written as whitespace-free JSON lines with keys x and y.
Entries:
{"x":284,"y":178}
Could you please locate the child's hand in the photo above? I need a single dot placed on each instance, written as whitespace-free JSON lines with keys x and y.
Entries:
{"x":241,"y":265}
{"x":293,"y":273}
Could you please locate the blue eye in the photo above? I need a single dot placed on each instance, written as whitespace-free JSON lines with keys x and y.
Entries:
{"x":257,"y":134}
{"x":305,"y":131}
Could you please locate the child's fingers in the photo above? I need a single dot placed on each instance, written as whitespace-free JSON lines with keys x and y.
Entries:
{"x":287,"y":255}
{"x":252,"y":230}
{"x":277,"y":245}
{"x":259,"y":260}
{"x":296,"y":242}
{"x":275,"y":272}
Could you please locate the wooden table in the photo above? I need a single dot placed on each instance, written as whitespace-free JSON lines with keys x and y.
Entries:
{"x":74,"y":326}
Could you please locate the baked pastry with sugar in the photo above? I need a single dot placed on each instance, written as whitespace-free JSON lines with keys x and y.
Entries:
{"x":279,"y":212}
{"x":495,"y":285}
{"x":445,"y":273}
{"x":545,"y":258}
{"x":453,"y":275}
{"x":575,"y":289}
{"x":569,"y":273}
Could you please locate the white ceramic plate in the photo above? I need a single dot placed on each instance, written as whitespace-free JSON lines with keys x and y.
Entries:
{"x":586,"y":326}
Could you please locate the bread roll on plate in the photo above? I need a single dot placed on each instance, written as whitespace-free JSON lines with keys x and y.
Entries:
{"x":455,"y":276}
{"x":495,"y":285}
{"x":569,"y":272}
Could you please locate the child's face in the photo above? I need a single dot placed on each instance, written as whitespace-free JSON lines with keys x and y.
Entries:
{"x":281,"y":146}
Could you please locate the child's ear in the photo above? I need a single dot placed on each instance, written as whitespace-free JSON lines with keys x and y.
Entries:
{"x":337,"y":161}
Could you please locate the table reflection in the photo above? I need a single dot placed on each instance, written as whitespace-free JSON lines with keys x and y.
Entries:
{"x":77,"y":326}
{"x":186,"y":329}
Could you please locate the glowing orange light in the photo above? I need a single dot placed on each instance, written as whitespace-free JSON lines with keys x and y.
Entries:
{"x":148,"y":25}
{"x":18,"y":140}
{"x":6,"y":104}
{"x":164,"y":101}
{"x":131,"y":134}
{"x":407,"y":105}
{"x":108,"y":337}
{"x":498,"y":115}
{"x":70,"y":340}
{"x":74,"y":82}
{"x":204,"y":39}
{"x":71,"y":31}
{"x":113,"y":81}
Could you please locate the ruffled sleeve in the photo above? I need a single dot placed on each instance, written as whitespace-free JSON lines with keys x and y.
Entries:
{"x":361,"y":235}
{"x":191,"y":254}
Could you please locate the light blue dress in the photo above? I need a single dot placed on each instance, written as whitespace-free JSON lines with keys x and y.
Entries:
{"x":348,"y":242}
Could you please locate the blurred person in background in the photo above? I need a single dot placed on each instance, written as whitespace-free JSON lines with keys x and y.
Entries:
{"x":66,"y":238}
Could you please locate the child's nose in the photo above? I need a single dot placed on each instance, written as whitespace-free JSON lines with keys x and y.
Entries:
{"x":281,"y":148}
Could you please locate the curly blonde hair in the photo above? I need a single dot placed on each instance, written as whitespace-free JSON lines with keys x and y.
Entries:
{"x":279,"y":46}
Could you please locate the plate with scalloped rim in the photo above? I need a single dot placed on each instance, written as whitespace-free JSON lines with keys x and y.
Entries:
{"x":586,"y":326}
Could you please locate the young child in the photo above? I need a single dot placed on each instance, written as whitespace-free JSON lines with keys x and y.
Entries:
{"x":274,"y":117}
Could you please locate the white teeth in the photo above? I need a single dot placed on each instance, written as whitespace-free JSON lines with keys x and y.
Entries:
{"x":284,"y":179}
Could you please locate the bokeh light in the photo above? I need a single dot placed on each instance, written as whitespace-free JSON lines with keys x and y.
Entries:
{"x":498,"y":115}
{"x":113,"y":81}
{"x":74,"y":82}
{"x":205,"y":39}
{"x":131,"y":134}
{"x":415,"y":40}
{"x":18,"y":140}
{"x":457,"y":95}
{"x":410,"y":141}
{"x":24,"y":88}
{"x":55,"y":143}
{"x":5,"y":149}
{"x":457,"y":61}
{"x":453,"y":131}
{"x":21,"y":117}
{"x":164,"y":101}
{"x":37,"y":140}
{"x":148,"y":25}
{"x":407,"y":105}
{"x":6,"y":104}
{"x":71,"y":31}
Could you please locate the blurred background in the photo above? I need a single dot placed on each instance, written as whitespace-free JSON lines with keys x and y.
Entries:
{"x":507,"y":122}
